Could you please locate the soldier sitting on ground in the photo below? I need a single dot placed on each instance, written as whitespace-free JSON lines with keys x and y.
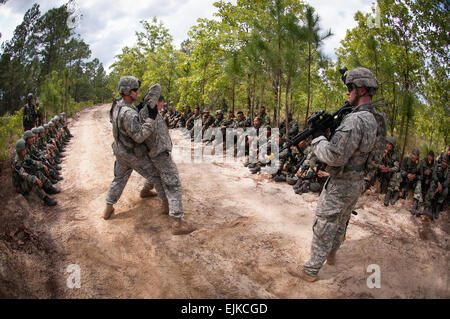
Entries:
{"x":27,"y":174}
{"x":388,"y":172}
{"x":411,"y":180}
{"x":438,"y":191}
{"x":311,"y":175}
{"x":292,"y":127}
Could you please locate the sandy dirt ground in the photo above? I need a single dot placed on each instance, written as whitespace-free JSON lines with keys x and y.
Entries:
{"x":249,"y":229}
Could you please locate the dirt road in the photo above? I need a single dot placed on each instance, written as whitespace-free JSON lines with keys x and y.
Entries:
{"x":249,"y":230}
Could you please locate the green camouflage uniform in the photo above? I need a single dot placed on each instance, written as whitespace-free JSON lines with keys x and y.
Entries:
{"x":432,"y":199}
{"x":25,"y":173}
{"x":392,"y":160}
{"x":410,"y":167}
{"x":292,"y":128}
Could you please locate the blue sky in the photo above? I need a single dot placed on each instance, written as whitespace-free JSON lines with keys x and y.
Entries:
{"x":109,"y":25}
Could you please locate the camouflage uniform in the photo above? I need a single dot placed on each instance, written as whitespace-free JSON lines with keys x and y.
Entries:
{"x":392,"y":160}
{"x":160,"y":146}
{"x":410,"y":167}
{"x":309,"y":180}
{"x":265,"y":119}
{"x":29,"y":170}
{"x":292,"y":128}
{"x":434,"y":200}
{"x":26,"y":172}
{"x":29,"y":115}
{"x":346,"y":155}
{"x":130,"y":154}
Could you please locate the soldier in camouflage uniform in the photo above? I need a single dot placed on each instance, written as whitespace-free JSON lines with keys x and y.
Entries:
{"x":130,"y":154}
{"x":33,"y":153}
{"x":411,"y":179}
{"x":207,"y":121}
{"x":159,"y":145}
{"x":346,"y":155}
{"x":217,"y":125}
{"x":194,"y":117}
{"x":29,"y":115}
{"x":438,"y":190}
{"x":292,"y":127}
{"x":264,"y":118}
{"x":388,"y":172}
{"x":65,"y":127}
{"x":427,"y":167}
{"x":27,"y":174}
{"x":311,"y":175}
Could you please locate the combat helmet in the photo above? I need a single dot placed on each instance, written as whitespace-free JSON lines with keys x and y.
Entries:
{"x":219,"y":112}
{"x":41,"y":129}
{"x":362,"y":78}
{"x":391,"y":140}
{"x":29,"y":96}
{"x":128,"y":83}
{"x":46,"y":126}
{"x":35,"y":130}
{"x":27,"y":135}
{"x":20,"y":145}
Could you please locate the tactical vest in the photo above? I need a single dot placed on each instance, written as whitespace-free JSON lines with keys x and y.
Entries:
{"x":117,"y":112}
{"x":373,"y":156}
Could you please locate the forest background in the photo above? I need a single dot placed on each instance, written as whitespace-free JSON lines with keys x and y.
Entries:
{"x":253,"y":53}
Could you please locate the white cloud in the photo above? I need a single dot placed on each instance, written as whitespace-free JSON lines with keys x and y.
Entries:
{"x":338,"y":16}
{"x":107,"y":25}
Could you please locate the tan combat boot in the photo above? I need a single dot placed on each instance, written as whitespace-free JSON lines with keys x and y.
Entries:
{"x":147,"y":192}
{"x":331,"y":259}
{"x":181,"y":227}
{"x":108,"y":211}
{"x":165,"y":206}
{"x":296,"y":272}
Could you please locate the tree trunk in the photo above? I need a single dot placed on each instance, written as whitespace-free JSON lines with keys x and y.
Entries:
{"x":253,"y":94}
{"x":233,"y":95}
{"x":309,"y":83}
{"x":288,"y":84}
{"x":249,"y":100}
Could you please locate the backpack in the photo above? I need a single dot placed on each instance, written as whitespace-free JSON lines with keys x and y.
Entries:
{"x":376,"y":155}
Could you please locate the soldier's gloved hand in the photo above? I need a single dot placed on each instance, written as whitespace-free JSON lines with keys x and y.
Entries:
{"x":152,"y":112}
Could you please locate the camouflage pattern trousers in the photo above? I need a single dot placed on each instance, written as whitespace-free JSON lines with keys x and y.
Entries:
{"x":168,"y":172}
{"x":123,"y":167}
{"x":394,"y":182}
{"x":334,"y":208}
{"x":26,"y":186}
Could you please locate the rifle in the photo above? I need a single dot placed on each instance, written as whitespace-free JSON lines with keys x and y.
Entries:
{"x":320,"y":121}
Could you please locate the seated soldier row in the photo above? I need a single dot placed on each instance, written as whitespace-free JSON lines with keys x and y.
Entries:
{"x":299,"y":167}
{"x":38,"y":155}
{"x":428,"y":179}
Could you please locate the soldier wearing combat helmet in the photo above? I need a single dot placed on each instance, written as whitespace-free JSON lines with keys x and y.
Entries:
{"x":29,"y":115}
{"x":128,"y":149}
{"x":346,"y":155}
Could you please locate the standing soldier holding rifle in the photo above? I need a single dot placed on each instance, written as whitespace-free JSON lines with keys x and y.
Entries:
{"x":346,"y":155}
